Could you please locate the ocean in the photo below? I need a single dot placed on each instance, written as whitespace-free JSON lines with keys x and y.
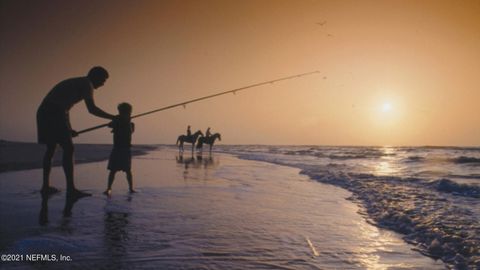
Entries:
{"x":430,"y":195}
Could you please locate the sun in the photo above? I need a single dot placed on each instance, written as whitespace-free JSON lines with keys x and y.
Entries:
{"x":386,"y":107}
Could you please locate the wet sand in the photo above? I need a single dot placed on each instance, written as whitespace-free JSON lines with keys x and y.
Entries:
{"x":15,"y":156}
{"x":208,"y":212}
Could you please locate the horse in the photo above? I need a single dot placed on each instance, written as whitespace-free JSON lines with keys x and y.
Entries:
{"x":189,"y":139}
{"x":208,"y":140}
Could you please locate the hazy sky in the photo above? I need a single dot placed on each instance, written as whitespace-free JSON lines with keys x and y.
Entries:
{"x":391,"y":72}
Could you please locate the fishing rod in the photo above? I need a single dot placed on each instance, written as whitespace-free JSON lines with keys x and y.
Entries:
{"x":233,"y":91}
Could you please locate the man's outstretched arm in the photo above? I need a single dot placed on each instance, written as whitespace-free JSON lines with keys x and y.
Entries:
{"x":93,"y":109}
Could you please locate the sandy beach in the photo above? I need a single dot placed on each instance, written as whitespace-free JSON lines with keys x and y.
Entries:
{"x":15,"y":156}
{"x":194,"y":212}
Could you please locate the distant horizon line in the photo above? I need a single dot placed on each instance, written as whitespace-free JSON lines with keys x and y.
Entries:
{"x":256,"y":144}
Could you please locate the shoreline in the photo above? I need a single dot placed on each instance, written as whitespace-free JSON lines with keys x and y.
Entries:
{"x":18,"y":156}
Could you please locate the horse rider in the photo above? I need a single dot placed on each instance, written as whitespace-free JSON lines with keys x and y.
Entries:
{"x":189,"y":132}
{"x":208,"y":133}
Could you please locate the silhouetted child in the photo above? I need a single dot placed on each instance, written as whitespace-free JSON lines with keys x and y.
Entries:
{"x":121,"y":156}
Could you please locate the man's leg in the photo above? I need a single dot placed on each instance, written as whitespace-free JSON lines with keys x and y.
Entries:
{"x":67,"y":163}
{"x":47,"y":166}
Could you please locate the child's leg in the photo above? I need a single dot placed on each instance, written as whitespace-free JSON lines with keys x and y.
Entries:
{"x":130,"y":180}
{"x":111,"y":177}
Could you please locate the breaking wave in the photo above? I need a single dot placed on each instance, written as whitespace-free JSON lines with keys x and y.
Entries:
{"x":448,"y":186}
{"x":463,"y":159}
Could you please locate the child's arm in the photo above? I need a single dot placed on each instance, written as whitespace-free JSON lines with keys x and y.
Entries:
{"x":113,"y":123}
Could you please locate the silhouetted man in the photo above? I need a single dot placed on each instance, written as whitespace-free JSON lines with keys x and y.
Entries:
{"x":53,"y":123}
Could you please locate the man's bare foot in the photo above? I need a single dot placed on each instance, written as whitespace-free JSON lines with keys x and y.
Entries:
{"x":132,"y":190}
{"x":77,"y":194}
{"x":49,"y":190}
{"x":108,"y":192}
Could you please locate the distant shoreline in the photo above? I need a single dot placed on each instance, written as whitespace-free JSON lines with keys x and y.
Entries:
{"x":17,"y":156}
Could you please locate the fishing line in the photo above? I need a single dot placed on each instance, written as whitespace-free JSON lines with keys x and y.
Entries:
{"x":233,"y":91}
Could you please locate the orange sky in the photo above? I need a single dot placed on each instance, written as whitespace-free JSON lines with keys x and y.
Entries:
{"x":420,"y":57}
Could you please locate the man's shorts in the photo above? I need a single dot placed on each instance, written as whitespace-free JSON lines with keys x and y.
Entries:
{"x":52,"y":125}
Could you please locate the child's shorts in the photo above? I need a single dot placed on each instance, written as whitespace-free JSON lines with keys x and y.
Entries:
{"x":120,"y":159}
